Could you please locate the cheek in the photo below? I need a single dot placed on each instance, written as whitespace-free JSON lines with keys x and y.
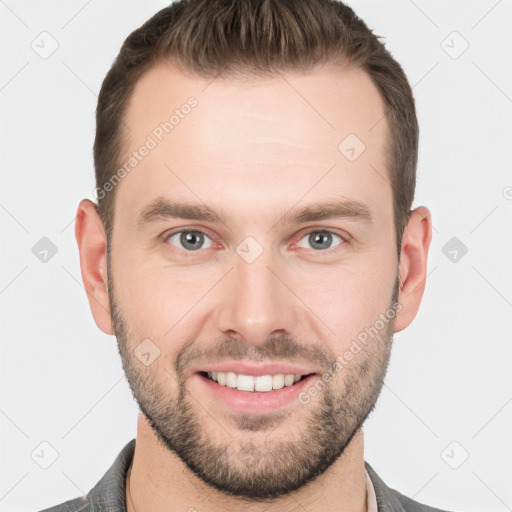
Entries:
{"x":348,"y":298}
{"x":165,"y":305}
{"x":151,"y":299}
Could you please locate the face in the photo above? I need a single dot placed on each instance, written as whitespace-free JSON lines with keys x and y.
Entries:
{"x":248,"y":245}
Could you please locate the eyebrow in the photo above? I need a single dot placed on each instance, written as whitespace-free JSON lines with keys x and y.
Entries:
{"x":162,"y":209}
{"x":345,"y":208}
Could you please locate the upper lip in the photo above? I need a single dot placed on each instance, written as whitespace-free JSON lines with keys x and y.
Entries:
{"x":246,"y":368}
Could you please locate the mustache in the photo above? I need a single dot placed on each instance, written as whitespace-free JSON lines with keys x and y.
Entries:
{"x":283,"y":348}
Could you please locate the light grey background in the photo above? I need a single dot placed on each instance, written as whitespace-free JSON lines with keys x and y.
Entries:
{"x":448,"y":392}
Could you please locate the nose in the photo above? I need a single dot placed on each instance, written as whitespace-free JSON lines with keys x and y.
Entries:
{"x":256,"y":301}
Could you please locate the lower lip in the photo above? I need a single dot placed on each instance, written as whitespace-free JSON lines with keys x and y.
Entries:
{"x":256,"y":401}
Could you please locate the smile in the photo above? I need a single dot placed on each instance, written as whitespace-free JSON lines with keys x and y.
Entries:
{"x":261,"y":383}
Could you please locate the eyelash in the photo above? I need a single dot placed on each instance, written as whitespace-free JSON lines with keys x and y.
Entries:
{"x":165,"y":237}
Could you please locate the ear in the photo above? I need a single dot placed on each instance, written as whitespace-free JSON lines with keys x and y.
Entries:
{"x":413,"y":265}
{"x":92,"y":245}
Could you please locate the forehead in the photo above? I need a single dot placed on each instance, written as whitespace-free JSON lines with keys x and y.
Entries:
{"x":319,"y":133}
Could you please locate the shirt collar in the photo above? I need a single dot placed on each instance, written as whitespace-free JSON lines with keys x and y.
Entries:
{"x":109,"y":493}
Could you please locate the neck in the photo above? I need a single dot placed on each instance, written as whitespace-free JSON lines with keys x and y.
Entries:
{"x":158,"y":481}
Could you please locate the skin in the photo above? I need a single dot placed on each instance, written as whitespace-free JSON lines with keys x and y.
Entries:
{"x":253,"y":151}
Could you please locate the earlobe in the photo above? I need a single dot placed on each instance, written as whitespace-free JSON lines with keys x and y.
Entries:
{"x":92,"y":245}
{"x":412,"y":269}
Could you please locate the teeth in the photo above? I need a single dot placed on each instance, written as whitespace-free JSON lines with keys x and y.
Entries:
{"x":245,"y":383}
{"x":260,"y":383}
{"x":231,"y":379}
{"x":278,"y":381}
{"x":263,"y":383}
{"x":289,"y":380}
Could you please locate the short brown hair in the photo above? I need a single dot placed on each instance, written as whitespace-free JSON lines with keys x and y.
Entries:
{"x":257,"y":37}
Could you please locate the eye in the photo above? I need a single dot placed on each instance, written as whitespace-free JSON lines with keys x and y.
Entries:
{"x":189,"y":240}
{"x":319,"y":240}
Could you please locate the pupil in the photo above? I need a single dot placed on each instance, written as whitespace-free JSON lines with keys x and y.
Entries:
{"x":317,"y":237}
{"x":190,"y":240}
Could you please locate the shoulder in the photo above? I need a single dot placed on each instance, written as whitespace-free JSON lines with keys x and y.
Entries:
{"x":81,"y":504}
{"x":108,"y":493}
{"x":410,"y":505}
{"x":390,"y":500}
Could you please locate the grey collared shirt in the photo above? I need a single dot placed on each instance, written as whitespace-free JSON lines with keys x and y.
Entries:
{"x":108,"y":495}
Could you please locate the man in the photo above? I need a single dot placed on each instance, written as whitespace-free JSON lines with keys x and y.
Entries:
{"x":253,"y":249}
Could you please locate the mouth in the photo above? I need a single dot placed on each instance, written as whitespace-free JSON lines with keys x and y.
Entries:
{"x":254,"y":384}
{"x":254,"y":394}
